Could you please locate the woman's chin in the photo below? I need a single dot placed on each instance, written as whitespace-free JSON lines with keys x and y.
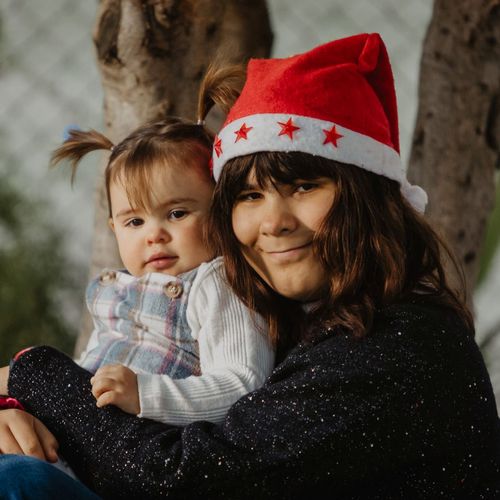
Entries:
{"x":300,"y":288}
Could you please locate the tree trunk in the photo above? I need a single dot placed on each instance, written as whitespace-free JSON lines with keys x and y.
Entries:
{"x":456,"y":143}
{"x":152,"y":55}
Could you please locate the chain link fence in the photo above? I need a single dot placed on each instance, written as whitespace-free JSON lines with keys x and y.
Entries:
{"x":49,"y":80}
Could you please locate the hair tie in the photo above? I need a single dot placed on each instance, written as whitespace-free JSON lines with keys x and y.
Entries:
{"x":200,"y":122}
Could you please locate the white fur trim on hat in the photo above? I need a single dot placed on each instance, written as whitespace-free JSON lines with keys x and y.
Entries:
{"x":285,"y":132}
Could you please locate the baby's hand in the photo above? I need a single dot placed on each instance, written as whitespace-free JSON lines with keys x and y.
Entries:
{"x":116,"y":385}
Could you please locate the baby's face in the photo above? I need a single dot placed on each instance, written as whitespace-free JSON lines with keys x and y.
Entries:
{"x":168,"y":236}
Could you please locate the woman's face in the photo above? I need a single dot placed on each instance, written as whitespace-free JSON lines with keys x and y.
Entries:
{"x":275,"y":226}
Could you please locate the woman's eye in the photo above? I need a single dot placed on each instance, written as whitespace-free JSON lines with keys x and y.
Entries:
{"x":134,"y":223}
{"x":249,"y":196}
{"x":177,"y":214}
{"x":306,"y":186}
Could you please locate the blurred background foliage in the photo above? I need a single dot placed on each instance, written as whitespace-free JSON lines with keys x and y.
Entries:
{"x":38,"y":283}
{"x":36,"y":279}
{"x":492,"y":238}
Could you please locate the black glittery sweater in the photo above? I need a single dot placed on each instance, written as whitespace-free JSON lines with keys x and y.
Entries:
{"x":407,"y":412}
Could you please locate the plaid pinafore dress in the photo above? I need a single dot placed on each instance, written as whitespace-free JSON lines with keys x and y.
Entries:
{"x":141,"y":323}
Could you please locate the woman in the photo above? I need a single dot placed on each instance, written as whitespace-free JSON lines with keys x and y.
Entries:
{"x":380,"y":390}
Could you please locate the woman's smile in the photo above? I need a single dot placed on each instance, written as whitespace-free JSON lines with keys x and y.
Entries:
{"x":290,"y":254}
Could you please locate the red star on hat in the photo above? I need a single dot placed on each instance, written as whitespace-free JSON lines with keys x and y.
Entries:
{"x":242,"y":132}
{"x":218,"y":146}
{"x":331,"y":136}
{"x":288,"y":128}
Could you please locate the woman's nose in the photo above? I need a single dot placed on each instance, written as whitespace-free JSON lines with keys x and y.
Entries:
{"x":278,"y":218}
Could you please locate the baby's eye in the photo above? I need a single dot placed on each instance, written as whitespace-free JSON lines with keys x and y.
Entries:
{"x":177,"y":214}
{"x":134,"y":222}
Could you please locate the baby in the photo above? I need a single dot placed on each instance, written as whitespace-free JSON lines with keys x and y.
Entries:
{"x":171,"y":340}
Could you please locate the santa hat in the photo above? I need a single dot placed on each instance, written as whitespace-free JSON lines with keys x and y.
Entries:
{"x":336,"y":101}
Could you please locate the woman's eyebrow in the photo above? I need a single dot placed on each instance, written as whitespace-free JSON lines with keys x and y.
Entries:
{"x":249,"y":187}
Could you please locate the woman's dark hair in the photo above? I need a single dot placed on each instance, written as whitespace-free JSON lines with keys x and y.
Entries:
{"x":375,"y":247}
{"x":172,"y":140}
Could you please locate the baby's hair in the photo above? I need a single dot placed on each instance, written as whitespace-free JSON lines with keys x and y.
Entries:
{"x":153,"y":141}
{"x":221,"y":86}
{"x":172,"y":140}
{"x":77,"y":145}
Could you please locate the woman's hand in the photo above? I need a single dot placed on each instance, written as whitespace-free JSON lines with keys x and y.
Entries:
{"x":116,"y":385}
{"x":23,"y":434}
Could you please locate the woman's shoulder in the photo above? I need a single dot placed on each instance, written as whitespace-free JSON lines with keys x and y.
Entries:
{"x":421,"y":329}
{"x":417,"y":353}
{"x":415,"y":338}
{"x":419,"y":315}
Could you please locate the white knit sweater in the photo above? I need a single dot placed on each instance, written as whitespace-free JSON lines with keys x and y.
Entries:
{"x":235,"y":356}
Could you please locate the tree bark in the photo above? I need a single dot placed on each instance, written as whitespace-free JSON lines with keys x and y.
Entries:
{"x":152,"y":55}
{"x":456,"y":143}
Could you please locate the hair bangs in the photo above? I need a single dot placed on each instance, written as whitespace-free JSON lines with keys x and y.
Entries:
{"x":136,"y":176}
{"x":137,"y":170}
{"x":274,"y":168}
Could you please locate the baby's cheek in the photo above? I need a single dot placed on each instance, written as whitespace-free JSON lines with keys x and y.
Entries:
{"x":194,"y":242}
{"x":194,"y":232}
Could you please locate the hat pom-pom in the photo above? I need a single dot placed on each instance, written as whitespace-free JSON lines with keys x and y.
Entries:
{"x":415,"y":195}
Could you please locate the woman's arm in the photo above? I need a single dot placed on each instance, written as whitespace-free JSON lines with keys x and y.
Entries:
{"x":385,"y":415}
{"x":21,"y":433}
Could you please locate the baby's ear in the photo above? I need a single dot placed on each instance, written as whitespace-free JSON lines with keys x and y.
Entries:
{"x":111,"y":224}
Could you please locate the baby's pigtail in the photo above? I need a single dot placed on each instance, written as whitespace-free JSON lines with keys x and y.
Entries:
{"x":77,"y":145}
{"x":221,"y":86}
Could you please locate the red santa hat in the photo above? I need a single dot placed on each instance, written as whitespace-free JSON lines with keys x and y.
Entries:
{"x":336,"y":101}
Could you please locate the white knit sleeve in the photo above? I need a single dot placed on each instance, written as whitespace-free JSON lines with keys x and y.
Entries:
{"x":235,"y":356}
